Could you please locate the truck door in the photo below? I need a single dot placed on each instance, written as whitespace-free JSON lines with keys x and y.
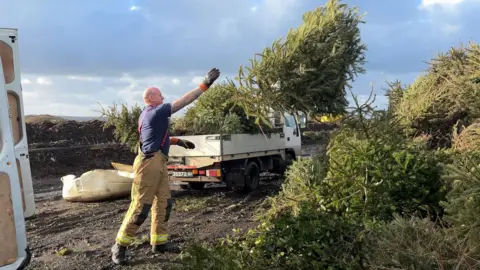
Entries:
{"x":14,"y":252}
{"x":292,"y":134}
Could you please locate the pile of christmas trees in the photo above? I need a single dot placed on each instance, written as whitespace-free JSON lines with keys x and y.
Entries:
{"x":447,"y":95}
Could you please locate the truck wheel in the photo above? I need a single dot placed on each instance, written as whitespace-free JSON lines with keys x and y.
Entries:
{"x":197,"y":185}
{"x":289,"y":158}
{"x":287,"y":162}
{"x":252,"y":177}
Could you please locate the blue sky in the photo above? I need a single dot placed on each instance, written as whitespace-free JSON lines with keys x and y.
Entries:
{"x":74,"y":56}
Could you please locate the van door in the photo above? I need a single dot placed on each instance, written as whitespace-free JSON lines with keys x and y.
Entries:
{"x":9,"y":53}
{"x":14,"y":252}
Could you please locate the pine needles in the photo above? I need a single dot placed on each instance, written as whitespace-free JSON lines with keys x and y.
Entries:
{"x":309,"y":70}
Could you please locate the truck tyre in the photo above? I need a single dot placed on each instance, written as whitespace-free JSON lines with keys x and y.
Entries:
{"x":197,"y":185}
{"x":252,"y":177}
{"x":289,"y":158}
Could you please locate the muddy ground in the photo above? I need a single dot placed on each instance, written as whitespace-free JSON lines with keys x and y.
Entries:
{"x":87,"y":230}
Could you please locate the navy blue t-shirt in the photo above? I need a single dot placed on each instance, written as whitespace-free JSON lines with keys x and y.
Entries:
{"x":154,"y":128}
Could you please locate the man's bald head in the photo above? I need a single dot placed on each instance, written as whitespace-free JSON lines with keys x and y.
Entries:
{"x":152,"y":96}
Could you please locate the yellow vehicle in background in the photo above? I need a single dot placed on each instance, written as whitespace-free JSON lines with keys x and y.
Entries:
{"x":328,"y":118}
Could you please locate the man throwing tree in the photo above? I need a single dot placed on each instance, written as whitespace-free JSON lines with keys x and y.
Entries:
{"x":150,"y":188}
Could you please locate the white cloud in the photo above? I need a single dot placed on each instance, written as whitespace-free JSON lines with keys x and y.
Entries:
{"x":439,"y":3}
{"x":30,"y":95}
{"x":196,"y":80}
{"x":132,"y":8}
{"x":228,"y":29}
{"x":83,"y":97}
{"x":44,"y":81}
{"x":62,"y":109}
{"x":446,"y":17}
{"x":446,"y":7}
{"x":264,"y":18}
{"x":449,"y":29}
{"x":26,"y":81}
{"x":274,"y":11}
{"x":84,"y":78}
{"x":76,"y":95}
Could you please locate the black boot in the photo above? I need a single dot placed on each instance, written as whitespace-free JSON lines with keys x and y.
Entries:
{"x":167,"y":247}
{"x":119,"y":254}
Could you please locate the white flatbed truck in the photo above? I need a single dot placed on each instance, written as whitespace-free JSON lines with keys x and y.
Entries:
{"x":235,"y":159}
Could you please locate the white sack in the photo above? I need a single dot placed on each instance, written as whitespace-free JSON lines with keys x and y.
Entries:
{"x":97,"y":185}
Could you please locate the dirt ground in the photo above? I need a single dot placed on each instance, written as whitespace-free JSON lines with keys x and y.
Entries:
{"x":87,"y":230}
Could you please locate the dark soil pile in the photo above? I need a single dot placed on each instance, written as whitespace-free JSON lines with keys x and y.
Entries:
{"x":70,"y":160}
{"x":58,"y":148}
{"x":67,"y":133}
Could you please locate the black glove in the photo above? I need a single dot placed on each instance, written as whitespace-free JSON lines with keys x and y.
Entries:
{"x":185,"y":144}
{"x":211,"y":76}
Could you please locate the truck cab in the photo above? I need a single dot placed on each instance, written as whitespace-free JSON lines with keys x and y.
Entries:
{"x":16,"y":189}
{"x":292,"y":131}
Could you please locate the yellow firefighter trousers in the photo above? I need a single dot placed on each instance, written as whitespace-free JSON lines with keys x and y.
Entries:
{"x":150,"y":192}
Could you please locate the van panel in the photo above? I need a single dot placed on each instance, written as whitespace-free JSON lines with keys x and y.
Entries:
{"x":21,"y":183}
{"x":25,"y":178}
{"x":14,"y":107}
{"x":6,"y":54}
{"x":8,"y":241}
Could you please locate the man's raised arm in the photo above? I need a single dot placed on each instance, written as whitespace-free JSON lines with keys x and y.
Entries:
{"x":192,"y":95}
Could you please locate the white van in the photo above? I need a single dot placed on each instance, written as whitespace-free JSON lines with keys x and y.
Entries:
{"x":16,"y":189}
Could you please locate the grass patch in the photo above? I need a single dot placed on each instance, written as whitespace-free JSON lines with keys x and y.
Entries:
{"x":188,"y":204}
